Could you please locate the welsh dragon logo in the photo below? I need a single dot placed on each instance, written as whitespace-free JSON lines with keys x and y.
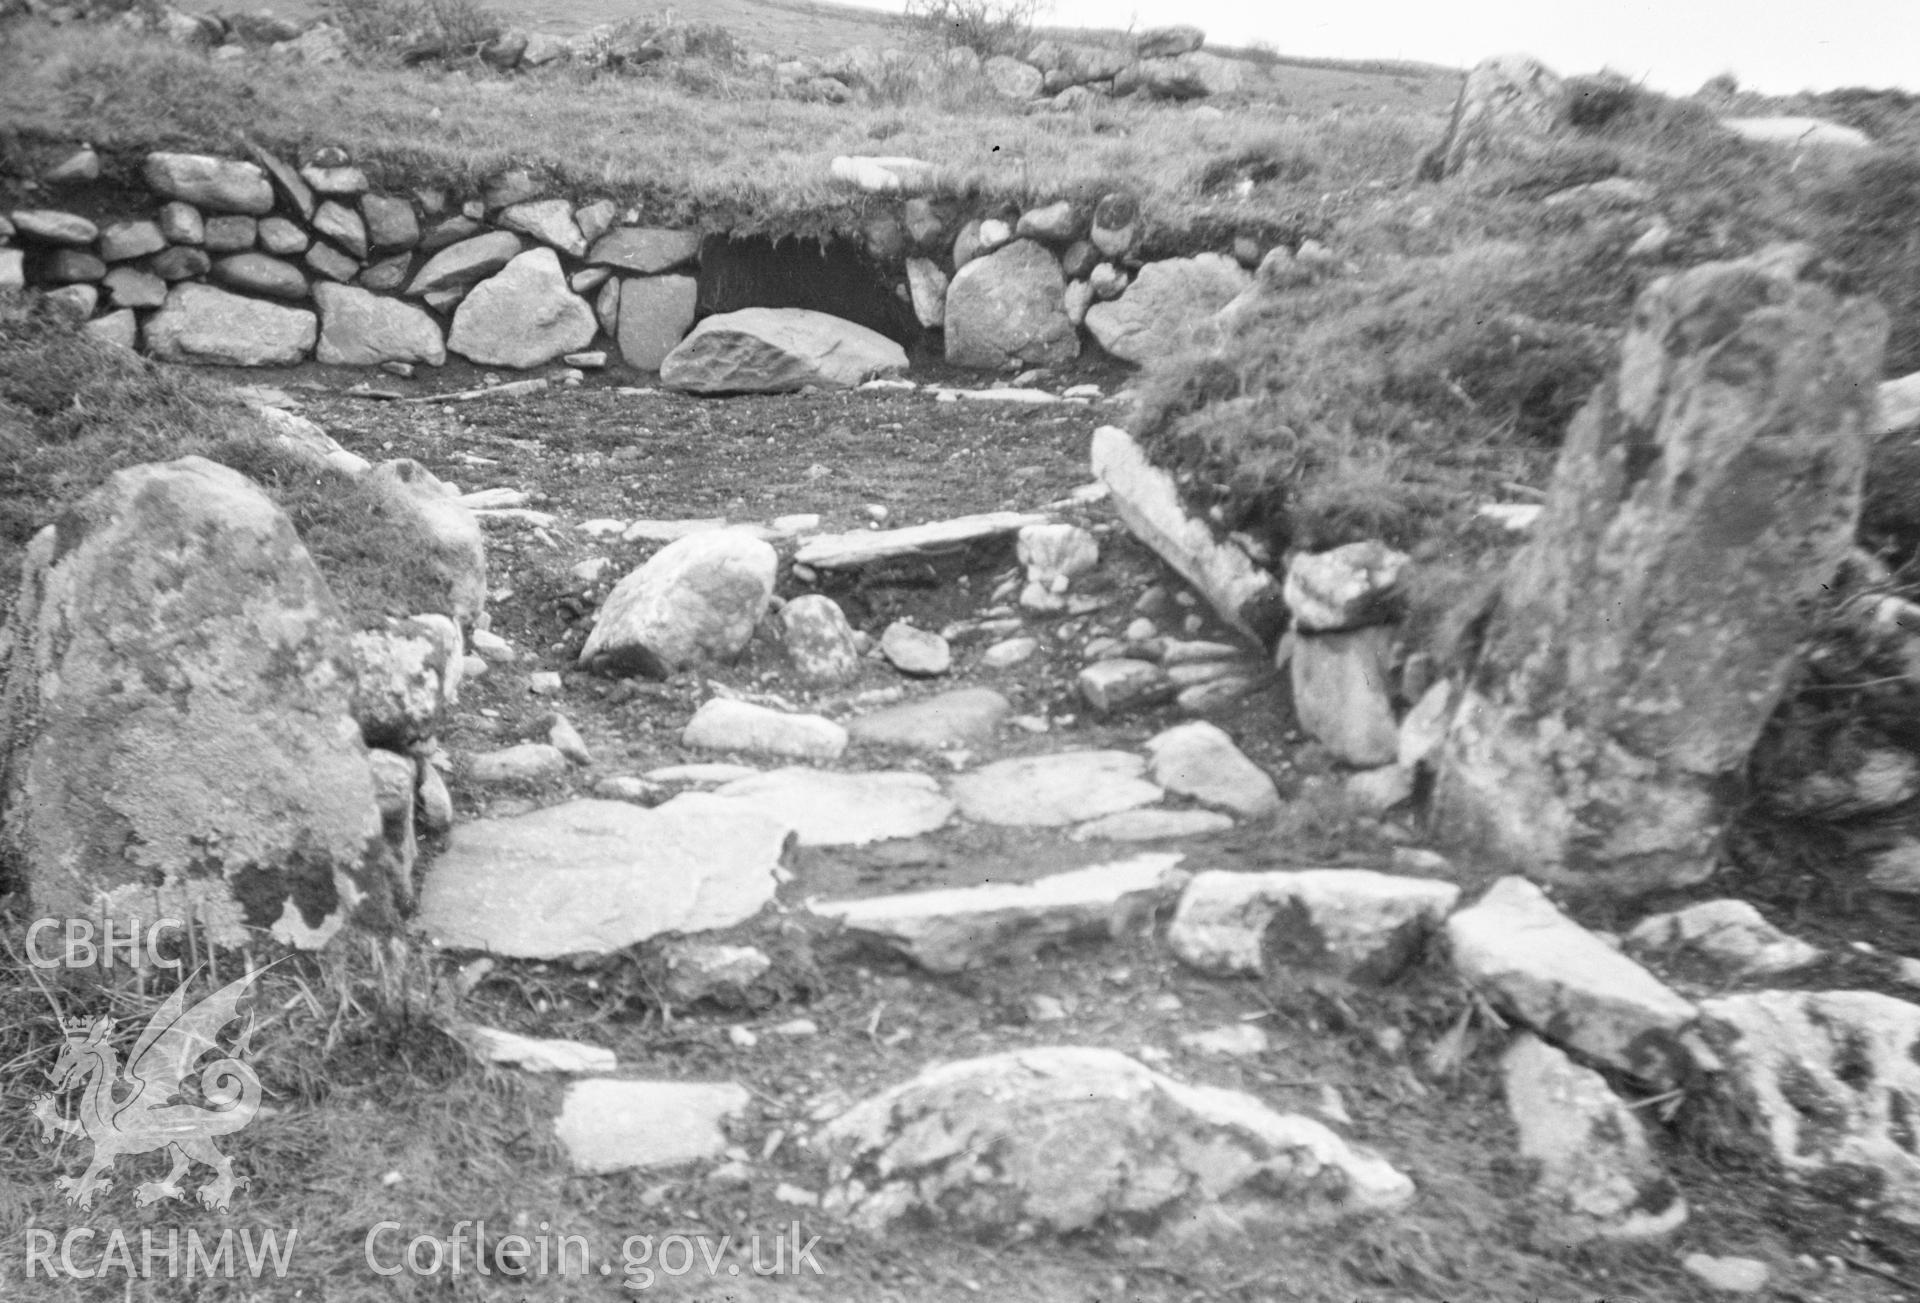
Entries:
{"x":142,"y":1109}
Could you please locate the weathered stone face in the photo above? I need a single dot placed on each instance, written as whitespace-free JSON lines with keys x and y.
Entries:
{"x":178,"y":735}
{"x":1008,"y":306}
{"x":1644,"y":636}
{"x":1506,"y":103}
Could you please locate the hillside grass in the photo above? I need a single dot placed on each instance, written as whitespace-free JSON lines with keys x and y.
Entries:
{"x":686,"y":142}
{"x":1442,"y":371}
{"x":74,"y":410}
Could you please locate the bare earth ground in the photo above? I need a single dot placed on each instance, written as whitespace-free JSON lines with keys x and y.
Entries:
{"x":390,"y":1122}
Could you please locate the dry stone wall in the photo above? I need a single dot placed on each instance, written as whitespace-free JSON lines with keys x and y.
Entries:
{"x":258,"y":262}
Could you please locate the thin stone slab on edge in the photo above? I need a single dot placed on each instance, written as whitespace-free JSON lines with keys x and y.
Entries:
{"x":1553,"y":975}
{"x":953,"y":929}
{"x":531,"y":1053}
{"x":865,"y":546}
{"x":609,"y":1125}
{"x":593,"y":876}
{"x":1245,"y":596}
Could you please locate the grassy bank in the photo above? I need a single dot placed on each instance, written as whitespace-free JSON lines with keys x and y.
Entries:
{"x":697,"y":143}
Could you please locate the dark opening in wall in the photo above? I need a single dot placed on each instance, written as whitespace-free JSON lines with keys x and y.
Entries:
{"x":758,"y":271}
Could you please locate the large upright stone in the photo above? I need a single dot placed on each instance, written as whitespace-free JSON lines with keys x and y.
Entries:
{"x":1506,"y":103}
{"x":523,"y":317}
{"x":697,"y":598}
{"x":358,"y":328}
{"x":177,"y":724}
{"x":202,"y":324}
{"x":1705,"y":498}
{"x":654,"y":314}
{"x":1165,"y":302}
{"x":220,"y":185}
{"x":1010,"y":306}
{"x":777,"y":350}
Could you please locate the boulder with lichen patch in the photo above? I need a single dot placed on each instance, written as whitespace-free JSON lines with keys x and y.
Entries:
{"x":1059,"y":1140}
{"x":1703,"y":502}
{"x":177,"y":728}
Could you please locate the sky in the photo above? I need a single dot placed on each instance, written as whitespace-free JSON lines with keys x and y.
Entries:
{"x":1674,"y":45}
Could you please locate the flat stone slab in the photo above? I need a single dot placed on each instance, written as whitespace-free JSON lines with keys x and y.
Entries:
{"x":709,"y":774}
{"x":609,"y":1125}
{"x":533,"y":1054}
{"x":1199,"y":760}
{"x":1542,"y":968}
{"x":1062,"y":1139}
{"x":1046,"y":791}
{"x":958,"y":928}
{"x":1355,"y":922}
{"x":834,"y":809}
{"x":595,"y":876}
{"x":1152,"y":825}
{"x":964,"y":717}
{"x":725,"y":725}
{"x":865,"y":546}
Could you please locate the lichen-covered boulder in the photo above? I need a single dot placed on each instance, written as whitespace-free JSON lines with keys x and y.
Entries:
{"x":1065,"y":1139}
{"x":697,"y":598}
{"x":1165,"y":302}
{"x":1010,"y":306}
{"x":177,"y":737}
{"x":1827,"y":1084}
{"x":1704,"y":499}
{"x":523,"y":317}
